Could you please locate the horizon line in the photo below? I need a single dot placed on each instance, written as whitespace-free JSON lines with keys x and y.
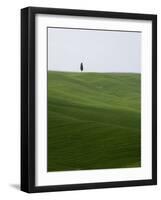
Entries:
{"x":94,"y":72}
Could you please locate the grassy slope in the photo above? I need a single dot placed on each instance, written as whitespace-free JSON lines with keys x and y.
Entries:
{"x":93,"y":121}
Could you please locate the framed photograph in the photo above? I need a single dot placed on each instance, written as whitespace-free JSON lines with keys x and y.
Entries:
{"x":88,"y":99}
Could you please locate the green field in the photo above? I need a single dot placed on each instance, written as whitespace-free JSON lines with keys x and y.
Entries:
{"x":94,"y":121}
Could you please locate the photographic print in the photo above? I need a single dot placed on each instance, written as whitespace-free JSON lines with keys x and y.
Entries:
{"x":94,"y":99}
{"x":88,"y":99}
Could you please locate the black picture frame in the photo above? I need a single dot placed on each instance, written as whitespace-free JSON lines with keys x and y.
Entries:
{"x":28,"y":98}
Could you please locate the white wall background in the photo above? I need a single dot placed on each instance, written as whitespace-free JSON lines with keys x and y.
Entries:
{"x":10,"y":99}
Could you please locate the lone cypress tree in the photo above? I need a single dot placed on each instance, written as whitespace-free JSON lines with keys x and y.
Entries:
{"x":81,"y":66}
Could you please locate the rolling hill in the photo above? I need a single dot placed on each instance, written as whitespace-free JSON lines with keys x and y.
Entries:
{"x":94,"y":120}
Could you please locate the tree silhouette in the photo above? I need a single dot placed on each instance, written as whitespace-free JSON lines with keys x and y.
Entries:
{"x":81,"y":67}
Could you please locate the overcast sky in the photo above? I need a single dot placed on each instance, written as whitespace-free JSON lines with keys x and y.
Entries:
{"x":100,"y":51}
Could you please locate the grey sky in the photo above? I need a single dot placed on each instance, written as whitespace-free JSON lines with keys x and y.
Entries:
{"x":100,"y":51}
